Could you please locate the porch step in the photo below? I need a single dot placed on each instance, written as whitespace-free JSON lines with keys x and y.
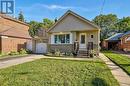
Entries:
{"x":83,"y":53}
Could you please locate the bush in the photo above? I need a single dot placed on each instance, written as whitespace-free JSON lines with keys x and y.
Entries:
{"x":29,"y":51}
{"x":22,"y":51}
{"x":13,"y":53}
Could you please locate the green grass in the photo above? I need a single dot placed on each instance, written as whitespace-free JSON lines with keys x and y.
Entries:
{"x":121,"y":60}
{"x":52,"y":72}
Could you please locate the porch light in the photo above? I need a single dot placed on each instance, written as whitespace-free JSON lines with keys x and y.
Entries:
{"x":61,"y":32}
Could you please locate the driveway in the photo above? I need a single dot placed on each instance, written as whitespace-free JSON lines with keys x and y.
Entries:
{"x":16,"y":61}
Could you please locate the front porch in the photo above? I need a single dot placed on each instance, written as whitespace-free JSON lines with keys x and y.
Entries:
{"x":64,"y":42}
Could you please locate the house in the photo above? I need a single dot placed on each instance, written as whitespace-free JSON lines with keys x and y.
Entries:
{"x":71,"y":27}
{"x":113,"y":42}
{"x":13,"y":34}
{"x":119,"y":41}
{"x":125,"y":41}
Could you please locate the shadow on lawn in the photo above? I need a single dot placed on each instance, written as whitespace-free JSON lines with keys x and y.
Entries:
{"x":23,"y":73}
{"x":99,"y":82}
{"x":125,"y":64}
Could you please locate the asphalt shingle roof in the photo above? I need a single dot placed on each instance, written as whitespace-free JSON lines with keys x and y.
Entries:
{"x":115,"y":37}
{"x":128,"y":32}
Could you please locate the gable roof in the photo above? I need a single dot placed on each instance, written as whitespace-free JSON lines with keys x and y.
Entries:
{"x":76,"y":15}
{"x":12,"y":19}
{"x":115,"y":37}
{"x":14,"y":32}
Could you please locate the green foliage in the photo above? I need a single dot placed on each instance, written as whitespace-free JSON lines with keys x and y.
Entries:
{"x":47,"y":23}
{"x":13,"y":53}
{"x":119,"y":59}
{"x":106,"y":22}
{"x":29,"y":51}
{"x":50,"y":72}
{"x":110,"y":24}
{"x":123,"y":25}
{"x":22,"y":51}
{"x":34,"y":26}
{"x":21,"y":17}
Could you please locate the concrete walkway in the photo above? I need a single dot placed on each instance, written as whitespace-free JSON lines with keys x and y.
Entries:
{"x":118,"y":73}
{"x":71,"y":58}
{"x":16,"y":61}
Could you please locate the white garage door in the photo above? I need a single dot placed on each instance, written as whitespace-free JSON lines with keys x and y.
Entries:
{"x":41,"y":48}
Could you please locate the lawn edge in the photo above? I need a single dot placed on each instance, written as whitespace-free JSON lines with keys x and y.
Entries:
{"x":13,"y":57}
{"x":118,"y":65}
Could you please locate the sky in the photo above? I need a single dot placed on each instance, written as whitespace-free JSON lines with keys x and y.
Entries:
{"x":39,"y":9}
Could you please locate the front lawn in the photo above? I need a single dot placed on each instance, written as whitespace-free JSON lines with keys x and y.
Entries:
{"x":121,"y":60}
{"x":52,"y":72}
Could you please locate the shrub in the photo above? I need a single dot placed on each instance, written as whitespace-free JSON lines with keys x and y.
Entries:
{"x":13,"y":53}
{"x":22,"y":51}
{"x":29,"y":51}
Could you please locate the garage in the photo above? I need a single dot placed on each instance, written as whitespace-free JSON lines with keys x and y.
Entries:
{"x":41,"y":48}
{"x":29,"y":45}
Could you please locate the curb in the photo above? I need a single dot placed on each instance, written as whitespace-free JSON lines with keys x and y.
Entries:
{"x":12,"y":57}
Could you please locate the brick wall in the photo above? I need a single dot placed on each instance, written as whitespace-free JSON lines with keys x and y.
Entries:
{"x":125,"y":45}
{"x":14,"y":34}
{"x":12,"y":44}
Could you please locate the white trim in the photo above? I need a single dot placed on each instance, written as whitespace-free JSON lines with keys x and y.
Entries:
{"x":82,"y":45}
{"x":53,"y":39}
{"x":4,"y":37}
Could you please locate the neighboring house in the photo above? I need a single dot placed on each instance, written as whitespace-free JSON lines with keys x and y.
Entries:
{"x":125,"y":41}
{"x":71,"y":27}
{"x":119,"y":41}
{"x":113,"y":42}
{"x":39,"y":43}
{"x":13,"y":34}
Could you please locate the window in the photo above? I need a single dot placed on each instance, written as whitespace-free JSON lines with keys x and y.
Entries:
{"x":91,"y":36}
{"x":82,"y":39}
{"x":62,"y":38}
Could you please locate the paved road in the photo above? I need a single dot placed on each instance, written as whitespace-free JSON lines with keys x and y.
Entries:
{"x":118,"y":73}
{"x":16,"y":61}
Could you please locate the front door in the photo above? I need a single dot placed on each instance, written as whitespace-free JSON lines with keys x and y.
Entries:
{"x":82,"y":40}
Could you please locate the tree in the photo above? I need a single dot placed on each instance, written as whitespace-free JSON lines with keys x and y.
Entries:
{"x":21,"y":17}
{"x":123,"y":25}
{"x":106,"y":22}
{"x":47,"y":23}
{"x":33,"y":28}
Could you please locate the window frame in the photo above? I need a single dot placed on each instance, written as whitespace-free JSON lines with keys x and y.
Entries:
{"x":65,"y":35}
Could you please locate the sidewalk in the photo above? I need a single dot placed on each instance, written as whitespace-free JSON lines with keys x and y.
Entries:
{"x":16,"y":61}
{"x":118,"y":73}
